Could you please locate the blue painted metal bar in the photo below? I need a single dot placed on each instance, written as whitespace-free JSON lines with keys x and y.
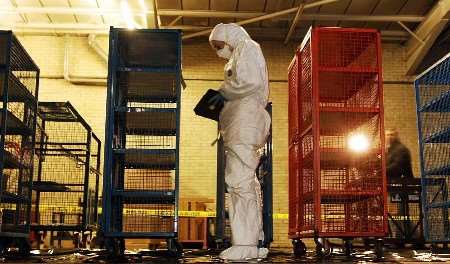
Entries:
{"x":432,"y":90}
{"x":442,"y":136}
{"x":141,"y":132}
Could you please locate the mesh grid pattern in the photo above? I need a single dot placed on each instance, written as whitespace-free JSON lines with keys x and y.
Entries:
{"x":94,"y":180}
{"x":148,"y":218}
{"x":59,"y":185}
{"x":144,"y":131}
{"x":61,"y":208}
{"x":18,"y":81}
{"x":437,"y":226}
{"x":13,"y":217}
{"x":307,"y":217}
{"x":145,"y":179}
{"x":306,"y":86}
{"x":348,"y":49}
{"x":293,"y":187}
{"x":433,"y":105}
{"x":293,"y":99}
{"x":351,"y":185}
{"x":399,"y":218}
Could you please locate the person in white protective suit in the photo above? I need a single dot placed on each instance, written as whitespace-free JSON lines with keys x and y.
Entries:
{"x":244,"y":125}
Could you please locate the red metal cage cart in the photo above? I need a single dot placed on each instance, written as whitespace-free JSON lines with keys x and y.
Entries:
{"x":337,"y":183}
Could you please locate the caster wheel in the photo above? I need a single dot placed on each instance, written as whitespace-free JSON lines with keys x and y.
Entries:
{"x":175,"y":248}
{"x":24,"y":247}
{"x":379,"y":251}
{"x":3,"y":246}
{"x":110,"y":246}
{"x":226,"y":243}
{"x":367,"y":244}
{"x":121,"y":246}
{"x":323,"y":248}
{"x":84,"y":240}
{"x":348,"y":247}
{"x":299,"y":248}
{"x":76,"y":240}
{"x":219,"y":244}
{"x":434,"y":248}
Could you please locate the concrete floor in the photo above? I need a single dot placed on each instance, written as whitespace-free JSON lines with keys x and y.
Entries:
{"x":191,"y":256}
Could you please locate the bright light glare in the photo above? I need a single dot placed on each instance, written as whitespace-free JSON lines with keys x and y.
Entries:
{"x":144,"y":16}
{"x":126,"y":13}
{"x":358,"y":143}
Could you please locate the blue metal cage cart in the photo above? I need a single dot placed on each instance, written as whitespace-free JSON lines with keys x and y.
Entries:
{"x":433,"y":115}
{"x":141,"y":171}
{"x":264,"y":174}
{"x":65,"y":187}
{"x":19,"y":82}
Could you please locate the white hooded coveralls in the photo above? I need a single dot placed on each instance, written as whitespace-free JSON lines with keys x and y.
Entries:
{"x":244,"y":125}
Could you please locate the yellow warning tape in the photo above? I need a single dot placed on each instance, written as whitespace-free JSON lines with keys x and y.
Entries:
{"x":202,"y":214}
{"x":143,"y":212}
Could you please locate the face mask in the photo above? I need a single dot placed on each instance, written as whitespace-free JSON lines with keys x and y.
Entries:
{"x":224,"y":53}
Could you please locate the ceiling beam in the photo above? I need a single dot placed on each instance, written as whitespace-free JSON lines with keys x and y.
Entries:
{"x":175,"y":21}
{"x":99,"y":29}
{"x":321,"y":17}
{"x":410,"y":31}
{"x":294,"y":23}
{"x":208,"y":14}
{"x":71,"y":11}
{"x":156,"y":17}
{"x":265,"y":17}
{"x":81,"y":26}
{"x":344,"y":17}
{"x":427,"y":31}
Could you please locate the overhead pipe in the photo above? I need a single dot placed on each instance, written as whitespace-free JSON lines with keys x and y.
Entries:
{"x":79,"y":79}
{"x":92,"y":41}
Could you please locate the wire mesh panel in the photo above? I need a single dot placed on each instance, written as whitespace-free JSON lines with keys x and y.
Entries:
{"x":405,"y":213}
{"x":293,"y":77}
{"x":140,"y":189}
{"x":433,"y":104}
{"x":18,"y":88}
{"x":94,"y":180}
{"x":340,"y":181}
{"x":66,"y":184}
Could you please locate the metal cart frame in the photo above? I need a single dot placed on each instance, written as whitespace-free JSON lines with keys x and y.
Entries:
{"x":66,"y":187}
{"x":154,"y":53}
{"x":405,"y":214}
{"x":432,"y":89}
{"x":19,"y":87}
{"x":336,"y":95}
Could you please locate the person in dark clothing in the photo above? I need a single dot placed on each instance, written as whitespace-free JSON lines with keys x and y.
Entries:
{"x":399,"y":171}
{"x":398,"y":162}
